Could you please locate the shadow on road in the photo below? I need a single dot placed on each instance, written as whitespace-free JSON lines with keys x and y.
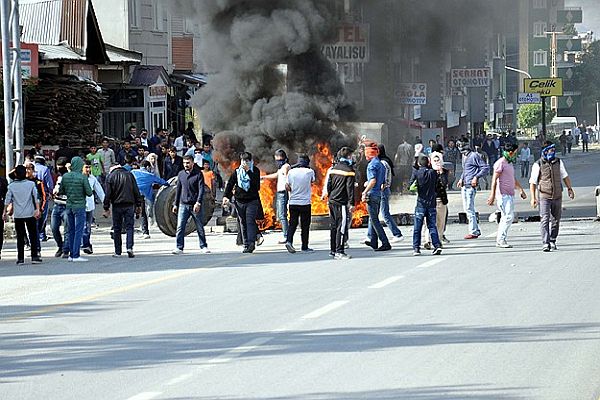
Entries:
{"x":28,"y":354}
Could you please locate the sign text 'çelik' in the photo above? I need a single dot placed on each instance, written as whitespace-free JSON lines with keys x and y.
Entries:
{"x":546,"y":87}
{"x":470,"y":77}
{"x":351,"y":44}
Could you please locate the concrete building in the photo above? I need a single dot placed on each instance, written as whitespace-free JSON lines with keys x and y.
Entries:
{"x":166,"y":41}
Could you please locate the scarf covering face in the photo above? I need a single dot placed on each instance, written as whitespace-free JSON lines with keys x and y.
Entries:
{"x":346,"y":160}
{"x":436,"y":165}
{"x":511,"y":156}
{"x":281,"y":163}
{"x":243,"y":179}
{"x":371,"y":152}
{"x":549,"y":156}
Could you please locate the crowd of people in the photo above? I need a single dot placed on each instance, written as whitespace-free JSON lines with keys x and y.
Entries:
{"x":124,"y":181}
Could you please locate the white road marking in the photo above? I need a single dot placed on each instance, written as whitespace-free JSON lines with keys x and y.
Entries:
{"x":432,"y":262}
{"x":145,"y":396}
{"x":179,"y":379}
{"x":326,"y":309}
{"x":491,"y":235}
{"x":242,"y":349}
{"x":386,"y":282}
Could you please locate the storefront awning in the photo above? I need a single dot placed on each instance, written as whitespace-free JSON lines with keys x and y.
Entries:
{"x":196,"y":80}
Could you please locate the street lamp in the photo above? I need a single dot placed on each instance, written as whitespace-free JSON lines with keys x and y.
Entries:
{"x":515,"y":99}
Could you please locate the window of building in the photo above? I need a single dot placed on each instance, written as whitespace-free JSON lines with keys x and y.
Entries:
{"x":540,"y":58}
{"x":158,"y":15}
{"x":540,"y":4}
{"x":135,"y":14}
{"x":539,"y":29}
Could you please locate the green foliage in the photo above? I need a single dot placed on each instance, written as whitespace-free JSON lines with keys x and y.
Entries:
{"x":530,"y":115}
{"x":586,"y":79}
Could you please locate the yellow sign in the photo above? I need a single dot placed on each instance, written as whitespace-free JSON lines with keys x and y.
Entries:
{"x":546,"y":87}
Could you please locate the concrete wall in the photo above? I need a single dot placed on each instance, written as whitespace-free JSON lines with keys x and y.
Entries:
{"x":113,"y":19}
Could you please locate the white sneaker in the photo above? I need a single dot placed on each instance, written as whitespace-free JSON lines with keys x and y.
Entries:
{"x":205,"y":250}
{"x":70,"y":259}
{"x":79,"y":259}
{"x":397,"y":239}
{"x":145,"y":236}
{"x":177,"y":251}
{"x":502,"y":244}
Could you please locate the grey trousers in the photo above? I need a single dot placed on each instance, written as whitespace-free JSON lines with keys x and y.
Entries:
{"x":550,"y":213}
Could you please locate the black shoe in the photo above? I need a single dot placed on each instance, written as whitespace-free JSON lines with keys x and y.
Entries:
{"x":437,"y":251}
{"x":251,"y":248}
{"x":332,"y":254}
{"x":290,"y":248}
{"x":368,"y":243}
{"x":384,"y":247}
{"x":130,"y":254}
{"x":58,"y":253}
{"x":65,"y":255}
{"x":546,"y":248}
{"x":246,"y":250}
{"x":20,"y":262}
{"x":88,"y":250}
{"x":36,"y":260}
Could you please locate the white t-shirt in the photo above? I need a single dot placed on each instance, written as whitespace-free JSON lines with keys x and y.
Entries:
{"x":281,"y":178}
{"x":535,"y":172}
{"x":179,"y":144}
{"x":300,"y":180}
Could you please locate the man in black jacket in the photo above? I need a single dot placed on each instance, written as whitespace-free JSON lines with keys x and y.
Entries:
{"x":188,"y":202}
{"x":340,"y":188}
{"x":244,"y":184}
{"x":123,"y":194}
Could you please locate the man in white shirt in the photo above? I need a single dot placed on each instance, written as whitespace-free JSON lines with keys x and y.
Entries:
{"x":282,"y":196}
{"x":299,"y":184}
{"x":524,"y":155}
{"x":179,"y":144}
{"x":547,"y":174}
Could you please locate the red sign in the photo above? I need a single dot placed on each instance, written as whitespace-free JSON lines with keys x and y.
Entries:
{"x":30,"y":60}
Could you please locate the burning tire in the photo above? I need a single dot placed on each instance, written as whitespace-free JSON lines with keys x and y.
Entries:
{"x":167,"y":221}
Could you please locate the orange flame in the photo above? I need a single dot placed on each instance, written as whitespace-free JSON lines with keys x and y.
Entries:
{"x":322,"y":161}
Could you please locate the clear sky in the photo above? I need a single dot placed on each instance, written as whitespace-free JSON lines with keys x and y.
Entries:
{"x":591,"y":15}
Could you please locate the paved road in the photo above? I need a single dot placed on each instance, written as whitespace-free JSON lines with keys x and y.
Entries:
{"x":474,"y":323}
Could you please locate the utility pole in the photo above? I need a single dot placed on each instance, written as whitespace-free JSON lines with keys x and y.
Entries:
{"x":13,"y":84}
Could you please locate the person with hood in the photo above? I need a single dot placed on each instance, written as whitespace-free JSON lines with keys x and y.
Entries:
{"x":282,"y":196}
{"x":244,"y":184}
{"x":474,"y":168}
{"x":22,"y":202}
{"x":299,"y":184}
{"x":76,"y":187}
{"x":386,"y":193}
{"x":504,"y":183}
{"x":376,"y":175}
{"x":340,"y":190}
{"x":547,"y":175}
{"x":426,"y":180}
{"x":123,"y":195}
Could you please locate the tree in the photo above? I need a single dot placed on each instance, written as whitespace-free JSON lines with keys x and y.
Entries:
{"x":586,"y":79}
{"x":530,"y":115}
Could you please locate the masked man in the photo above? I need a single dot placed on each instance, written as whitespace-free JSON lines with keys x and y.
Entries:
{"x":547,"y":175}
{"x":504,"y":183}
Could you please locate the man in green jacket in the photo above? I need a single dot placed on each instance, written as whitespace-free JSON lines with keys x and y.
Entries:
{"x":76,"y":187}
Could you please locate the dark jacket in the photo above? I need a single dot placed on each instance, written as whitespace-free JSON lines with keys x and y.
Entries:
{"x":121,"y":190}
{"x":427,"y":180}
{"x":240,"y":194}
{"x":190,"y":187}
{"x":172,"y":167}
{"x":3,"y":189}
{"x":75,"y":185}
{"x":340,"y":185}
{"x":123,"y":153}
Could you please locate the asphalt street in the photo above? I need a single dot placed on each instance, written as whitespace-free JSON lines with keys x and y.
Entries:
{"x":476,"y":322}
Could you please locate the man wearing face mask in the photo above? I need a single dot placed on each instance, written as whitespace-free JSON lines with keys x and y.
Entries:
{"x":372,"y":196}
{"x":474,"y":168}
{"x":504,"y":183}
{"x":282,"y":197}
{"x":546,"y":176}
{"x":299,"y":184}
{"x":340,"y":190}
{"x":244,"y":184}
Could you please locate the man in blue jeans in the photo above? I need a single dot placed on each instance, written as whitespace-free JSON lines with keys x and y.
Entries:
{"x":59,"y":216}
{"x":426,"y":179}
{"x":123,"y":194}
{"x":282,"y":196}
{"x":188,"y":202}
{"x":372,"y":196}
{"x":474,"y":168}
{"x":76,"y":187}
